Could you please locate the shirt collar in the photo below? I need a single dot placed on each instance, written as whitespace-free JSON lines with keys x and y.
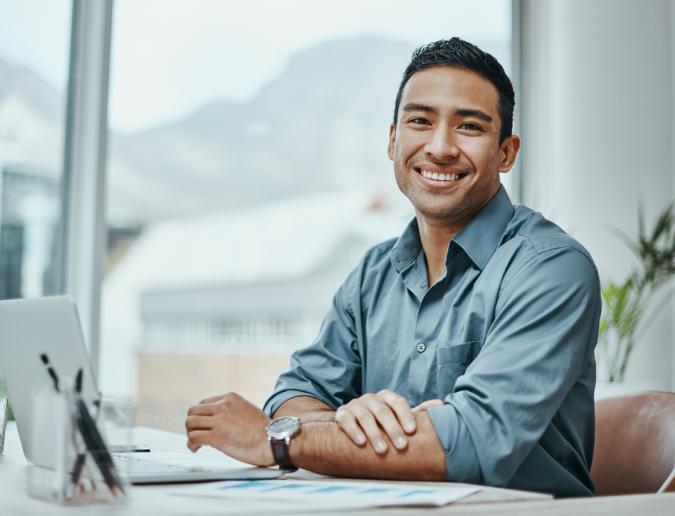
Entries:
{"x":482,"y":235}
{"x":407,"y":247}
{"x":479,"y":238}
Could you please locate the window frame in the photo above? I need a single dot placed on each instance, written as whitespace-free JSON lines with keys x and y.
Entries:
{"x":84,"y":166}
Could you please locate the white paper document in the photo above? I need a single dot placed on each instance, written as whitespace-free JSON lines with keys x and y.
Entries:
{"x":333,"y":493}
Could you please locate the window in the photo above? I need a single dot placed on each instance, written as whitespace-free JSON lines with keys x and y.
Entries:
{"x":247,"y":175}
{"x":34,"y":50}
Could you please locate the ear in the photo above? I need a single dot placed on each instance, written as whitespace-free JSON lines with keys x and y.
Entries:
{"x":392,"y":140}
{"x":508,"y":151}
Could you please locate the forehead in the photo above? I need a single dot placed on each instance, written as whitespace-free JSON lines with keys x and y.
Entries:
{"x":444,"y":87}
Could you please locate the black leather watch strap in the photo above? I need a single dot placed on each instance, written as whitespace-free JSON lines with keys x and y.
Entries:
{"x":281,"y":455}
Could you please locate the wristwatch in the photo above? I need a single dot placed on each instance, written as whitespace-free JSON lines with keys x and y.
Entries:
{"x":280,"y":431}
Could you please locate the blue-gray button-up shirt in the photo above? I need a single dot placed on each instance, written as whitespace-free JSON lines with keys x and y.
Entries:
{"x":505,"y":337}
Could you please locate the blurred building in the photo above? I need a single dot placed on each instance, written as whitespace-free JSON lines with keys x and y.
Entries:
{"x":217,"y":303}
{"x":29,"y":211}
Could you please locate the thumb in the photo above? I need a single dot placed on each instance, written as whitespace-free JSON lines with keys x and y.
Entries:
{"x":428,"y":404}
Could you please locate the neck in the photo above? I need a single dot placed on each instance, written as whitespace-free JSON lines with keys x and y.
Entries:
{"x":435,"y":238}
{"x":436,"y":234}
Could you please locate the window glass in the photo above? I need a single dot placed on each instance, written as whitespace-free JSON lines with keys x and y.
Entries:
{"x":247,"y":175}
{"x":34,"y":50}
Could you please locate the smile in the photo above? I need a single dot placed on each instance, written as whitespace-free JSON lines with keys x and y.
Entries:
{"x":436,"y":176}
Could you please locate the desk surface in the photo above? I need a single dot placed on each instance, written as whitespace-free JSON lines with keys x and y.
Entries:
{"x":146,"y":500}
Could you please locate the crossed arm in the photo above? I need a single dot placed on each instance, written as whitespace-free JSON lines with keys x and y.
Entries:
{"x":391,"y":448}
{"x":237,"y":428}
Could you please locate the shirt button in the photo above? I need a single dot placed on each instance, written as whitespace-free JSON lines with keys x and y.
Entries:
{"x":421,"y":347}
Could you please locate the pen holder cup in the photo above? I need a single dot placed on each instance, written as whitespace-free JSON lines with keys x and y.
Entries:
{"x":116,"y":420}
{"x":72,"y":462}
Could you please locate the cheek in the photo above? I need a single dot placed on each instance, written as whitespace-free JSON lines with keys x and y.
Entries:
{"x":408,"y":145}
{"x":482,"y":154}
{"x":401,"y":157}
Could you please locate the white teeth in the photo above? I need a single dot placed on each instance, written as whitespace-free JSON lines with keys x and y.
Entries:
{"x":439,"y":177}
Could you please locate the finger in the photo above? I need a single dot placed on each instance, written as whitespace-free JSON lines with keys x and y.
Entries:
{"x":428,"y":404}
{"x":347,"y":423}
{"x":401,"y":408}
{"x":366,"y":420}
{"x":201,"y":410}
{"x":212,"y":399}
{"x":387,"y":420}
{"x":198,"y":423}
{"x":197,"y":439}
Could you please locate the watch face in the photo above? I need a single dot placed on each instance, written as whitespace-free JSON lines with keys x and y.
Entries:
{"x":283,"y":427}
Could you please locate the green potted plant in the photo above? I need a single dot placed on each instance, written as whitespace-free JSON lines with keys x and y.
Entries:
{"x":626,"y":304}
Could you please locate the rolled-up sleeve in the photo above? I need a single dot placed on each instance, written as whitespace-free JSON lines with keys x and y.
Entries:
{"x":330,"y":368}
{"x":544,"y":329}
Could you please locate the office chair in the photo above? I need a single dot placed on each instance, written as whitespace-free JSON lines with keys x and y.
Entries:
{"x":634,"y":444}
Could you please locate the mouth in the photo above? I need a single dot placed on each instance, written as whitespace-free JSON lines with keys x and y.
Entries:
{"x":440,"y":176}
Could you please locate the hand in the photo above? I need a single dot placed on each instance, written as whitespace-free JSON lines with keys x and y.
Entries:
{"x":428,"y":404}
{"x":372,"y":413}
{"x":232,"y":425}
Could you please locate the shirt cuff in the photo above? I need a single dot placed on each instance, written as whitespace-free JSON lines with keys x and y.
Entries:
{"x":278,"y":398}
{"x":461,"y":460}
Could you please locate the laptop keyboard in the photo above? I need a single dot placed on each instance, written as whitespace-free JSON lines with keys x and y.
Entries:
{"x":131,"y":463}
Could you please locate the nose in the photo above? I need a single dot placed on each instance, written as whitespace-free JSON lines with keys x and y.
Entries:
{"x":441,"y":144}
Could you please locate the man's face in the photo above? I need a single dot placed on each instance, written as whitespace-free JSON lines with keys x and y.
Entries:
{"x":445,"y":145}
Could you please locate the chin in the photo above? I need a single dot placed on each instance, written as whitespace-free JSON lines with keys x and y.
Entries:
{"x":440,"y":213}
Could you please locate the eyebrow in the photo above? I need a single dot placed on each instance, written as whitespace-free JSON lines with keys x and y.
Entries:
{"x":475,"y":113}
{"x":414,"y":106}
{"x":464,"y":112}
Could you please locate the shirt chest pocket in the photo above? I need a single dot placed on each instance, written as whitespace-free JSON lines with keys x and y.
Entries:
{"x":451,"y":362}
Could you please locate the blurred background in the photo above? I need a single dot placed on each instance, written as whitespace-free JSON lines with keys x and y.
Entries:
{"x":202,"y":175}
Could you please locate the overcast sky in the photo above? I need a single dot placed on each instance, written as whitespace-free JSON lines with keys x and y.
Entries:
{"x":171,"y":56}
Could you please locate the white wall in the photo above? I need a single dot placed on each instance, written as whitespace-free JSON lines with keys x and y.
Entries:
{"x":598,"y":133}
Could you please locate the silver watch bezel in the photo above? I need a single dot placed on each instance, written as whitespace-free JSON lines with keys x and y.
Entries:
{"x":284,"y":435}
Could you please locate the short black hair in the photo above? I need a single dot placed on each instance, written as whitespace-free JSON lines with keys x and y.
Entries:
{"x":457,"y":53}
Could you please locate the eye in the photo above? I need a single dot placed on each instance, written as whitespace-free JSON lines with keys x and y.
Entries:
{"x":419,"y":120}
{"x":469,"y":126}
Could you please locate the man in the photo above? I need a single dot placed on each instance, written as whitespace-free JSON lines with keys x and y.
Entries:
{"x":462,"y":350}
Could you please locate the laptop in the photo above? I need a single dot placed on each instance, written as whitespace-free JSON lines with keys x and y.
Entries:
{"x":50,"y":326}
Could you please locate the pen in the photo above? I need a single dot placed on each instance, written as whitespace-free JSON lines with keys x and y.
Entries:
{"x":97,"y":447}
{"x":93,"y":442}
{"x":50,"y":371}
{"x":78,"y":382}
{"x":132,"y":448}
{"x":79,"y":461}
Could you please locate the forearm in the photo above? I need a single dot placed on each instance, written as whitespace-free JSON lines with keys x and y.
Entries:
{"x":308,"y":409}
{"x":324,"y":448}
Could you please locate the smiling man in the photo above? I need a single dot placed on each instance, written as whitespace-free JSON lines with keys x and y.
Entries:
{"x":462,"y":350}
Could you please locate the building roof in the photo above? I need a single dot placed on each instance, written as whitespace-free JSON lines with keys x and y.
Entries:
{"x":289,"y":238}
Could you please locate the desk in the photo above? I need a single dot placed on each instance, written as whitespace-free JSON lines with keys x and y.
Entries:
{"x":154,"y":500}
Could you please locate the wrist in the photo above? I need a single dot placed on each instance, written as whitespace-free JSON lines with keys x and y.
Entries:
{"x":280,"y":434}
{"x":317,"y":416}
{"x":267,"y":459}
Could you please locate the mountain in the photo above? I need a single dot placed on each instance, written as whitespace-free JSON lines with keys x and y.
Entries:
{"x":321,"y":124}
{"x":19,"y":82}
{"x":31,"y":113}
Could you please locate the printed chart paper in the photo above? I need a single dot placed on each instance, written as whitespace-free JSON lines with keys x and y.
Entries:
{"x":344,"y":494}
